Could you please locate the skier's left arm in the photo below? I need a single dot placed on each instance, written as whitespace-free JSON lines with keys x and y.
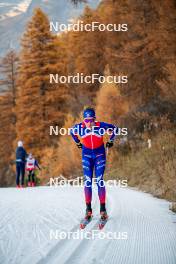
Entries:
{"x":37,"y":165}
{"x":112,"y":131}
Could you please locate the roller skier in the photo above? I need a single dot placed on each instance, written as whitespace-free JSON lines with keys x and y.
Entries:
{"x":31,"y":166}
{"x":91,"y":133}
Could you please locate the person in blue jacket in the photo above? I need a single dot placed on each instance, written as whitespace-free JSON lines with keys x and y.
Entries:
{"x":91,"y":133}
{"x":20,"y":164}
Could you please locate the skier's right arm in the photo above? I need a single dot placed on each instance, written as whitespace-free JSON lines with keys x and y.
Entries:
{"x":75,"y":133}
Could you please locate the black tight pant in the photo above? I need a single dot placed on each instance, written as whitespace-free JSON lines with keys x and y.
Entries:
{"x":31,"y":175}
{"x":20,"y":171}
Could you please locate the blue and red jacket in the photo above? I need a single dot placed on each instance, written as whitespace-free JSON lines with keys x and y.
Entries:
{"x":92,"y":138}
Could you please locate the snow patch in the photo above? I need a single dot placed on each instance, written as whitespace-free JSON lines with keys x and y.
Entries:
{"x":5,"y":4}
{"x":16,"y":10}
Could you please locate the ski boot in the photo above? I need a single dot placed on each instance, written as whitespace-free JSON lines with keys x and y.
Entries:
{"x":103,"y":219}
{"x":86,"y":220}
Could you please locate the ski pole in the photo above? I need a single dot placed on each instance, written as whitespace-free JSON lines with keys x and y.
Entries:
{"x":107,"y":165}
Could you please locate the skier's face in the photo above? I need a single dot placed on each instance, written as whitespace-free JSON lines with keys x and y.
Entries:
{"x":89,"y":121}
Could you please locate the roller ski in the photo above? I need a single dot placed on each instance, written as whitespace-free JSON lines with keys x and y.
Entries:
{"x":87,"y":219}
{"x":103,"y":220}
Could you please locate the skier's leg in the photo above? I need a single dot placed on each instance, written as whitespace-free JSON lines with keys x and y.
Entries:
{"x":100,"y":163}
{"x":87,"y":163}
{"x":17,"y":173}
{"x":33,"y":177}
{"x":29,"y":176}
{"x":22,"y":172}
